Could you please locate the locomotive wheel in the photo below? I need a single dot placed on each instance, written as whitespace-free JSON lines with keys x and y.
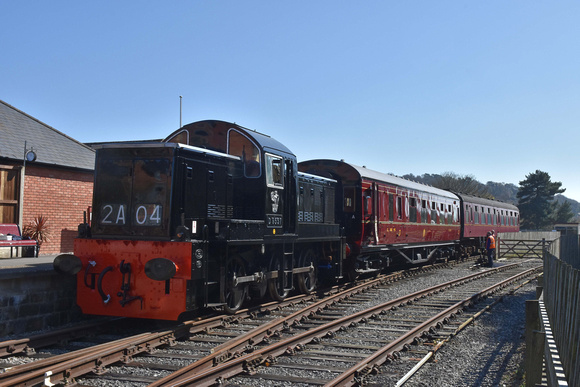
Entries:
{"x":259,"y":288}
{"x":276,"y":285}
{"x":234,"y":293}
{"x":307,"y":281}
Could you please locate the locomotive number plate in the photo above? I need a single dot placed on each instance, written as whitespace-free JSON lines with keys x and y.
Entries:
{"x":142,"y":214}
{"x":274,"y":221}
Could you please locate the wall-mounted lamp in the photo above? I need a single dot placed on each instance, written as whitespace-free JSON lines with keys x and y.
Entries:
{"x":29,"y":154}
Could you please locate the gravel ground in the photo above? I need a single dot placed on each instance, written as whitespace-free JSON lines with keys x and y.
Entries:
{"x":487,"y":353}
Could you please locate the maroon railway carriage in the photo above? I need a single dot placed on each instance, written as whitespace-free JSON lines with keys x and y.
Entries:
{"x":388,"y":218}
{"x":481,"y":215}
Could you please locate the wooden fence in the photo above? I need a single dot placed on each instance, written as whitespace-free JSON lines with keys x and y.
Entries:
{"x":570,"y":250}
{"x":562,"y":301}
{"x":553,"y":321}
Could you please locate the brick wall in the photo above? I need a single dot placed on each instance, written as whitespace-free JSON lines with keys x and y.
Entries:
{"x":61,"y":195}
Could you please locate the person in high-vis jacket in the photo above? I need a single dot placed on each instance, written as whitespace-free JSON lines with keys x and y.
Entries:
{"x":490,"y":247}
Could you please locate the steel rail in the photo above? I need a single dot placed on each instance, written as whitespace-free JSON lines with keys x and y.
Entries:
{"x":355,"y":374}
{"x":118,"y":350}
{"x":72,"y":364}
{"x":245,"y":343}
{"x":93,"y":359}
{"x":290,"y":345}
{"x":29,"y":345}
{"x":76,"y":363}
{"x":440,"y":344}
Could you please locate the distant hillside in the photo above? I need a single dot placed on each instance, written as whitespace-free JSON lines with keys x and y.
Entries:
{"x":506,"y":192}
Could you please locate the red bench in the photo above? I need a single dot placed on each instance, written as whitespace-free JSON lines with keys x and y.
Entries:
{"x":12,"y":244}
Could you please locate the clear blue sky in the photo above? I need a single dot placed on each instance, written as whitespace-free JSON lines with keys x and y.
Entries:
{"x":489,"y":89}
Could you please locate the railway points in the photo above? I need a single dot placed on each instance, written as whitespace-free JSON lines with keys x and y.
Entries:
{"x":237,"y":325}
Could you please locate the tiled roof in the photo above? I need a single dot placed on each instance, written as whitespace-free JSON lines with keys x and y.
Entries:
{"x":51,"y":146}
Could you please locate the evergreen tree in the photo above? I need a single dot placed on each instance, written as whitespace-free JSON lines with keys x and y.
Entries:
{"x":535,"y":200}
{"x":562,"y":213}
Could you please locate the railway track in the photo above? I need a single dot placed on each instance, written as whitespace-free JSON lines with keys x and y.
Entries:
{"x":223,"y":339}
{"x":348,"y":348}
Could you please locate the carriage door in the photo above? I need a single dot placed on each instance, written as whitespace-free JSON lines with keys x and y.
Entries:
{"x":280,"y":220}
{"x":371,"y":204}
{"x":376,"y":218}
{"x":290,"y":185}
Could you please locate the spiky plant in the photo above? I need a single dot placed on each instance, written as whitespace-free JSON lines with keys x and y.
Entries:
{"x":37,"y":229}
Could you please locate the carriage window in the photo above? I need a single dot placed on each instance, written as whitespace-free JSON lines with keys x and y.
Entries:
{"x":368,"y":201}
{"x":399,"y":207}
{"x":240,"y":145}
{"x":349,"y":199}
{"x":274,"y":171}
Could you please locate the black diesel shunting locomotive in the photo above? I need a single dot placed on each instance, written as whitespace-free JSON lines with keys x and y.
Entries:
{"x":213,"y":214}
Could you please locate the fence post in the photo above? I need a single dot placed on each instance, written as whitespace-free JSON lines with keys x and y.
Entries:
{"x":540,"y":287}
{"x":543,"y":249}
{"x":534,"y":344}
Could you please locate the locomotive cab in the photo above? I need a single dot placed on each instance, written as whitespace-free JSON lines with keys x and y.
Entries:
{"x":263,"y":184}
{"x":256,"y":251}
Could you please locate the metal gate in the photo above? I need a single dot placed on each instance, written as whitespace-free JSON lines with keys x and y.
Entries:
{"x":527,"y":244}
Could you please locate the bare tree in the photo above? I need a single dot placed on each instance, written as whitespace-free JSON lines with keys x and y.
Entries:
{"x":466,"y":184}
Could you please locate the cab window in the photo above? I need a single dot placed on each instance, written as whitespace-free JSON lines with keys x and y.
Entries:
{"x":180,"y":138}
{"x":274,"y":171}
{"x":242,"y":146}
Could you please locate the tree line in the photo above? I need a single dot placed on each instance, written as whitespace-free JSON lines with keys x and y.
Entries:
{"x":540,"y":200}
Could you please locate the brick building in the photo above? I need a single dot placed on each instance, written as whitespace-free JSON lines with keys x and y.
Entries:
{"x":55,"y":180}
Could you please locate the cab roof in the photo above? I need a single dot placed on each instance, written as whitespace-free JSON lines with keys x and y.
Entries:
{"x":213,"y":135}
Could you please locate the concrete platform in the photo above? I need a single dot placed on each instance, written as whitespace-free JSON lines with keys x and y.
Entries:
{"x":13,"y":266}
{"x":34,"y":297}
